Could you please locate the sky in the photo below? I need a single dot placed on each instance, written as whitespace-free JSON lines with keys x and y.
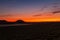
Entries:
{"x":30,"y":10}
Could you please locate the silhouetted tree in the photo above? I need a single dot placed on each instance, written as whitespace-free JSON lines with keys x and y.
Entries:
{"x":3,"y":21}
{"x":19,"y":21}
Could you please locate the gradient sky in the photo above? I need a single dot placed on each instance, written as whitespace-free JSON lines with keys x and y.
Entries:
{"x":30,"y":10}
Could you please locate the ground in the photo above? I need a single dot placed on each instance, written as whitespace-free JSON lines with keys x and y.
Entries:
{"x":35,"y":31}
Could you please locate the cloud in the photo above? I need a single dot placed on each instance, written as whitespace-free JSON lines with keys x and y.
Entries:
{"x":37,"y":15}
{"x":5,"y":15}
{"x":55,"y":12}
{"x":40,"y":10}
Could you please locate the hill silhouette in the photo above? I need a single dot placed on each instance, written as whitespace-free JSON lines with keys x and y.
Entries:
{"x":3,"y":22}
{"x":6,"y":22}
{"x":19,"y":21}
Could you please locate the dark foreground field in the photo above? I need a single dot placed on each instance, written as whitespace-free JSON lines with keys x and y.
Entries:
{"x":35,"y":31}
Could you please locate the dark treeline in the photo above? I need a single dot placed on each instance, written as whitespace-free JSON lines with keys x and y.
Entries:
{"x":6,"y":22}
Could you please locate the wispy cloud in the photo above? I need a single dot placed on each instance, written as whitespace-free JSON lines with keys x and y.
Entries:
{"x":5,"y":15}
{"x":55,"y":12}
{"x":37,"y":15}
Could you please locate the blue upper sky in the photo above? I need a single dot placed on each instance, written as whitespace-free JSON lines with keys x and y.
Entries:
{"x":24,"y":7}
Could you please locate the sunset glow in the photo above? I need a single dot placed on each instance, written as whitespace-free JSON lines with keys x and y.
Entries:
{"x":30,"y":10}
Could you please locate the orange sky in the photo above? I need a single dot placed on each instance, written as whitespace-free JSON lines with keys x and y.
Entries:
{"x":30,"y":10}
{"x":42,"y":18}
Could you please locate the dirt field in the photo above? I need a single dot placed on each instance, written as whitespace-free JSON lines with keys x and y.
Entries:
{"x":36,"y":31}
